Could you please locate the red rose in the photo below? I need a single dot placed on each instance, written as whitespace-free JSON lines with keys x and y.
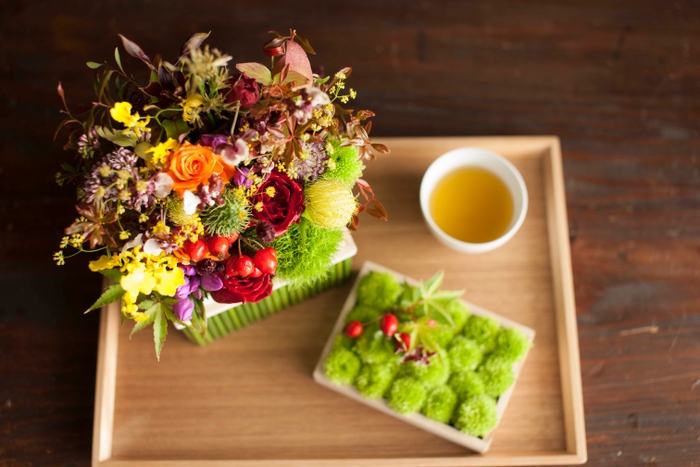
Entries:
{"x":243,"y":289}
{"x":282,"y":202}
{"x":245,"y":90}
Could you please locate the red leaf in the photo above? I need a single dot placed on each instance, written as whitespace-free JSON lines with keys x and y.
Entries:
{"x":192,"y":43}
{"x":135,"y":51}
{"x":381,"y":148}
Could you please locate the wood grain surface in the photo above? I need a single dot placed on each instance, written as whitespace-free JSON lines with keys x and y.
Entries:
{"x":619,"y":82}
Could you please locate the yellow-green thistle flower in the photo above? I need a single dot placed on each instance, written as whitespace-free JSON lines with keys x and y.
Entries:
{"x":330,"y":204}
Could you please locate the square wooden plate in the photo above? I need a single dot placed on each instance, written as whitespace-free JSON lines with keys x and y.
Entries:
{"x":250,"y":400}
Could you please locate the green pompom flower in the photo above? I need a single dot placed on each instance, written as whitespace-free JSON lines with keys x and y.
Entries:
{"x":432,"y":375}
{"x":343,"y":341}
{"x":497,"y":373}
{"x":483,"y":330}
{"x":379,"y":290}
{"x":330,"y":204}
{"x":477,"y":415}
{"x":373,"y":380}
{"x":511,"y":344}
{"x":406,"y":396}
{"x":440,"y":404}
{"x":374,"y":347}
{"x":467,"y":383}
{"x":459,"y":314}
{"x":464,"y":354}
{"x":363,"y":314}
{"x":443,"y":337}
{"x":342,"y":366}
{"x":344,"y":164}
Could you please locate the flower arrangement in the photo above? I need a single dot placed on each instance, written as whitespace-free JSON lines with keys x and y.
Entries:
{"x":210,"y":182}
{"x":421,"y":350}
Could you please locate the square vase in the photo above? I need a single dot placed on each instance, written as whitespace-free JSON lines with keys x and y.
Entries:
{"x":224,"y":318}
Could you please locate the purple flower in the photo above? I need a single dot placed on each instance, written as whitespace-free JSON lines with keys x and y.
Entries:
{"x":240,"y":178}
{"x":213,"y":140}
{"x":212,"y":283}
{"x":183,"y":309}
{"x":183,"y":291}
{"x":188,"y":269}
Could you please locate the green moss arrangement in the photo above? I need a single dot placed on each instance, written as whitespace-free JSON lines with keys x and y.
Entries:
{"x":464,"y":354}
{"x":459,"y":314}
{"x":443,"y":337}
{"x":467,"y":383}
{"x":374,"y":380}
{"x":511,"y":344}
{"x":343,"y":341}
{"x":406,"y":395}
{"x":232,"y":216}
{"x":476,"y":416}
{"x":344,"y":164}
{"x":440,"y":404}
{"x":497,"y":373}
{"x":432,"y":375}
{"x":304,"y":253}
{"x":363,"y":314}
{"x":373,"y":347}
{"x":483,"y":330}
{"x":378,"y":290}
{"x":342,"y":366}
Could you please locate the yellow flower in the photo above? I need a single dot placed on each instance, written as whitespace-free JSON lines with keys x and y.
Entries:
{"x":140,"y":316}
{"x":64,"y":241}
{"x":137,"y":280}
{"x":161,"y":229}
{"x":270,"y":191}
{"x":58,"y":257}
{"x":344,"y":99}
{"x":121,"y":112}
{"x":169,"y":280}
{"x":192,"y":102}
{"x":105,"y":262}
{"x":143,"y":218}
{"x":258,"y":206}
{"x":124,"y":234}
{"x":353,"y":93}
{"x":162,"y":151}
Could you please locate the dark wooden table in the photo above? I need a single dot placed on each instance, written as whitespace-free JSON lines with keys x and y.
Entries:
{"x":619,"y":82}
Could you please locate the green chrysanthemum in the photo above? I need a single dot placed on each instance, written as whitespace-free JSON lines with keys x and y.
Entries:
{"x":343,"y":341}
{"x":440,"y":404}
{"x":232,"y":216}
{"x":477,"y":415}
{"x":344,"y":164}
{"x":464,"y":354}
{"x":511,"y":344}
{"x":342,"y":366}
{"x":379,"y":290}
{"x":406,"y":396}
{"x":434,"y":374}
{"x":497,"y":374}
{"x":304,"y":253}
{"x":374,"y":347}
{"x":363,"y":314}
{"x":373,"y":380}
{"x":329,"y":204}
{"x":467,"y":383}
{"x":483,"y":330}
{"x":459,"y":314}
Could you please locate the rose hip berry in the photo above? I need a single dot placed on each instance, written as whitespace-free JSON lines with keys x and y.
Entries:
{"x":196,"y":250}
{"x":404,"y":341}
{"x":231,"y":269}
{"x":266,"y":260}
{"x":389,"y":324}
{"x":353,"y":329}
{"x":218,"y":246}
{"x":245,"y":266}
{"x":274,"y":51}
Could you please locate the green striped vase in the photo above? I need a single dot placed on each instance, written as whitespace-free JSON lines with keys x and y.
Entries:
{"x":240,"y":316}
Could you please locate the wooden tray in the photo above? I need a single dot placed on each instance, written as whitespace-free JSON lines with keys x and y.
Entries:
{"x":250,"y":400}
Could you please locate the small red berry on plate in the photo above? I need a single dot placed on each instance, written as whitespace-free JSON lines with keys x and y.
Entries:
{"x":245,"y":266}
{"x":218,"y":246}
{"x":389,"y":324}
{"x":256,"y":273}
{"x":353,"y":329}
{"x":266,"y":260}
{"x":431,"y":323}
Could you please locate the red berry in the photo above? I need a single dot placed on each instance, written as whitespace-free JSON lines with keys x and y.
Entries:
{"x":231,"y":269}
{"x":404,"y":341}
{"x":274,"y":51}
{"x":431,"y":323}
{"x":353,"y":329}
{"x":218,"y":246}
{"x":266,"y":260}
{"x":256,"y":273}
{"x":232,"y":238}
{"x":389,"y":324}
{"x":196,"y":250}
{"x":245,"y":266}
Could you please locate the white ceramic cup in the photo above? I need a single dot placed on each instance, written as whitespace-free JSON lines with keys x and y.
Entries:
{"x":484,"y":159}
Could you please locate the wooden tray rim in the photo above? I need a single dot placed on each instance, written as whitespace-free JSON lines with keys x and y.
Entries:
{"x":565,"y":314}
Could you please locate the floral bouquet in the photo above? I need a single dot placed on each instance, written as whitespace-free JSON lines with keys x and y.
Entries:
{"x":205,"y":182}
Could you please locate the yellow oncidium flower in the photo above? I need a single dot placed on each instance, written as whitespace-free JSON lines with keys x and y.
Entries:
{"x":105,"y":262}
{"x":121,"y":112}
{"x":189,"y":114}
{"x":140,"y":316}
{"x":161,"y":152}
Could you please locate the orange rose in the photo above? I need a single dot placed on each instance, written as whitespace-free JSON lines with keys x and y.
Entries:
{"x":192,"y":165}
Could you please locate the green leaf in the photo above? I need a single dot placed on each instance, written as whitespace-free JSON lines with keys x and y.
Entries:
{"x":145,"y":304}
{"x":171,"y":316}
{"x":150,"y":312}
{"x":141,"y":148}
{"x":442,"y":310}
{"x":111,"y":295}
{"x":160,"y":329}
{"x":257,"y":71}
{"x":93,"y":65}
{"x":114,"y":136}
{"x":114,"y":274}
{"x":447,"y":295}
{"x":433,"y":284}
{"x":117,"y":58}
{"x":297,"y":78}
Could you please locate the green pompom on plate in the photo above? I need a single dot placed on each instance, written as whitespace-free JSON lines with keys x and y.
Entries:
{"x":464,"y":354}
{"x":406,"y":396}
{"x":342,"y":366}
{"x":477,"y":415}
{"x":440,"y":404}
{"x":379,"y":290}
